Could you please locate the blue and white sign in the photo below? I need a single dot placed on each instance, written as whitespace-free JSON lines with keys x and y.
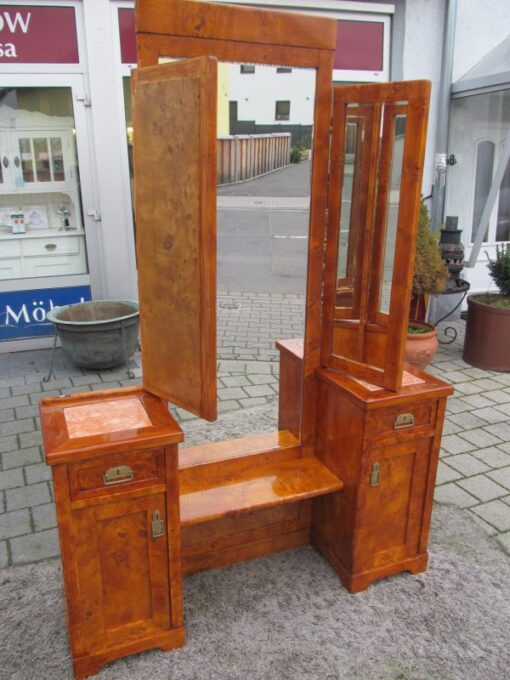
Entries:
{"x":23,"y":313}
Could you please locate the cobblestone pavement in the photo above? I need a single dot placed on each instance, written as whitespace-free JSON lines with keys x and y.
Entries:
{"x":474,"y":469}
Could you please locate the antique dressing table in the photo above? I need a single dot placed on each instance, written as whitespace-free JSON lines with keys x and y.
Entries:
{"x":351,"y":468}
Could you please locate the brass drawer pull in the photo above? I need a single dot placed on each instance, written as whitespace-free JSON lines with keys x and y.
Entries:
{"x":51,"y":246}
{"x":118,"y":475}
{"x":403,"y":420}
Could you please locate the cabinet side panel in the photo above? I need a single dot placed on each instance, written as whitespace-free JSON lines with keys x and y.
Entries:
{"x":66,"y":531}
{"x":340,"y":429}
{"x":290,"y":393}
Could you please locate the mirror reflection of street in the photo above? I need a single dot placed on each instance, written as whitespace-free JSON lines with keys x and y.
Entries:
{"x":263,"y":232}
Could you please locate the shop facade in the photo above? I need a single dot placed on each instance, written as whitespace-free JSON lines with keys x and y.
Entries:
{"x":67,"y":231}
{"x":66,"y":227}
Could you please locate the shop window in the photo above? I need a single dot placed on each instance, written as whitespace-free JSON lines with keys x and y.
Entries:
{"x":41,"y":221}
{"x":483,"y":181}
{"x":503,"y":221}
{"x":282,"y":110}
{"x":247,"y":68}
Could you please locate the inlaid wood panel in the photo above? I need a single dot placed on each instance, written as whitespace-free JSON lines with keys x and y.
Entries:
{"x":174,"y":109}
{"x":122,"y":571}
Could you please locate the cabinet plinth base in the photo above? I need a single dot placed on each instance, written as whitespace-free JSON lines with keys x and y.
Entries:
{"x":90,"y":664}
{"x":356,"y":583}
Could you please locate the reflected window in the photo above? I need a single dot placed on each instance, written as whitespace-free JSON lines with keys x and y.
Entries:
{"x":41,"y":221}
{"x":483,"y":181}
{"x":282,"y":110}
{"x":503,"y":221}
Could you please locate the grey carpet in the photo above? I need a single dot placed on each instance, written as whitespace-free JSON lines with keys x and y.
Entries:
{"x":249,"y":421}
{"x":285,"y":617}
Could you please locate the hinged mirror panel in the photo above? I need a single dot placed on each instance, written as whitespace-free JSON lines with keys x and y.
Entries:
{"x":377,"y":151}
{"x":174,"y":113}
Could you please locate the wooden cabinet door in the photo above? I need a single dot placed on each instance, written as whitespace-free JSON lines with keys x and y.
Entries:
{"x":391,"y":504}
{"x":174,"y":113}
{"x":123,"y":573}
{"x":377,"y":153}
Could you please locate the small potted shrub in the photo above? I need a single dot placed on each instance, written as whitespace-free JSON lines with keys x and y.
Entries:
{"x":487,"y":339}
{"x":430,"y":277}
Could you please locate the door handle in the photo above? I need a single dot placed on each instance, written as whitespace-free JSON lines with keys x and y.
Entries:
{"x":158,"y":526}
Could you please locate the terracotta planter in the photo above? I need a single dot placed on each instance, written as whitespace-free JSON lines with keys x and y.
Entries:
{"x":487,"y":340}
{"x":421,"y":347}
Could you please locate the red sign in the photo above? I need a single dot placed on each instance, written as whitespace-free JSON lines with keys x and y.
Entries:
{"x":359,"y":45}
{"x":38,"y":35}
{"x":127,"y":36}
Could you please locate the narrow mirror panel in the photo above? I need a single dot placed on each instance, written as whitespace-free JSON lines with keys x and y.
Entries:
{"x":396,"y":123}
{"x":349,"y":214}
{"x":376,"y":159}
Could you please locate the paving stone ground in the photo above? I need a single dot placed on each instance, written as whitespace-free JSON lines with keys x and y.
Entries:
{"x":474,"y":468}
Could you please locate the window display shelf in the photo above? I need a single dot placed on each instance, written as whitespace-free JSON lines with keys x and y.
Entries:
{"x":45,"y":252}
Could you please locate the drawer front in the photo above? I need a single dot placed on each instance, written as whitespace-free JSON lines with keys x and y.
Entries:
{"x":62,"y":265}
{"x":116,"y":472}
{"x":63,"y":245}
{"x":10,"y":248}
{"x":403,"y":418}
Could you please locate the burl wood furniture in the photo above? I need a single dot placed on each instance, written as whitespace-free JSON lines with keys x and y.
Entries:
{"x":115,"y":471}
{"x":351,"y":469}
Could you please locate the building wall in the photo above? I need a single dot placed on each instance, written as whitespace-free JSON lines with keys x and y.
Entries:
{"x":481,"y":26}
{"x":256,"y":94}
{"x":421,"y":58}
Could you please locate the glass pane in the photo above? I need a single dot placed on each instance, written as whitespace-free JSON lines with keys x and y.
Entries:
{"x":476,"y":120}
{"x":42,"y":160}
{"x":392,"y":205}
{"x":349,"y":213}
{"x":57,"y":159}
{"x":27,"y":160}
{"x":503,"y":223}
{"x":40,"y":205}
{"x":483,"y":181}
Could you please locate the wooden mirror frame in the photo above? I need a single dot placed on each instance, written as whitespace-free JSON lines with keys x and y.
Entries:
{"x":183,"y":28}
{"x":377,"y":338}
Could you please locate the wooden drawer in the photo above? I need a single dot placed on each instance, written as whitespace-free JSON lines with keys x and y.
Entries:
{"x":116,"y":472}
{"x":53,"y":245}
{"x":10,"y":248}
{"x":414,"y":417}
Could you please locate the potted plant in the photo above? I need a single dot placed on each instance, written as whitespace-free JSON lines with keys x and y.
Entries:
{"x":430,"y":277}
{"x":486,"y":343}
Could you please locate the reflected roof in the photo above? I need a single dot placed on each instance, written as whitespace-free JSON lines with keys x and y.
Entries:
{"x":491,"y":70}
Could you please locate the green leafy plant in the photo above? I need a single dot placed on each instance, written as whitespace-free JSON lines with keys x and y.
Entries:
{"x":295,"y":155}
{"x":499,"y":268}
{"x":430,"y":272}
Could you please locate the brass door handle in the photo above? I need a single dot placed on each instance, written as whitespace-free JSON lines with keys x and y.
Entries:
{"x":158,"y":526}
{"x":118,"y":475}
